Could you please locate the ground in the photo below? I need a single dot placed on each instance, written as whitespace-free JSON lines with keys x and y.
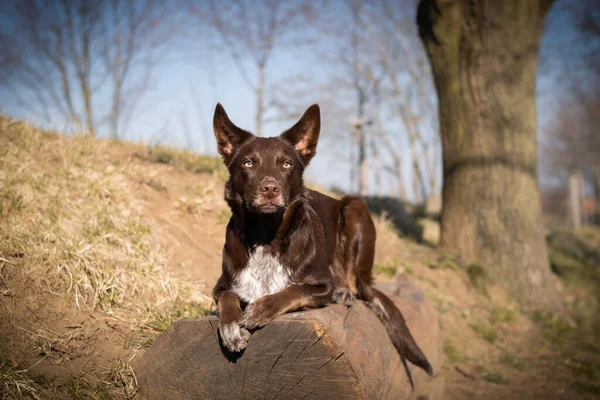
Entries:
{"x":105,"y":244}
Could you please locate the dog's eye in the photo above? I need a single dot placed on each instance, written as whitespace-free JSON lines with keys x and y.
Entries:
{"x":287,"y":165}
{"x":248,"y":164}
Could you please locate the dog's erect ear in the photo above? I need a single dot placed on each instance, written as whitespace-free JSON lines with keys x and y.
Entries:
{"x":229,"y":137}
{"x":305,"y":134}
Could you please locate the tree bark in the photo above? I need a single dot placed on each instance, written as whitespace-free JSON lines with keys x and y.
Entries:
{"x":363,"y":186}
{"x":596,"y":215}
{"x":483,"y":55}
{"x":363,"y":168}
{"x":575,"y":200}
{"x":402,"y":193}
{"x":376,"y":169}
{"x":260,"y":98}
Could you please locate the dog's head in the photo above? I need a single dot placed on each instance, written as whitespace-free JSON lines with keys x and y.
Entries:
{"x":266,"y":173}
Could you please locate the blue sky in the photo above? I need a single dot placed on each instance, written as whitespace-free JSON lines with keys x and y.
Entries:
{"x":195,"y":77}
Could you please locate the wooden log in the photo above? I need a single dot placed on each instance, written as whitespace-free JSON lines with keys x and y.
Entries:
{"x":328,"y":353}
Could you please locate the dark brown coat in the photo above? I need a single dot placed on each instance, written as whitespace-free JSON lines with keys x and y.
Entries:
{"x":288,"y":247}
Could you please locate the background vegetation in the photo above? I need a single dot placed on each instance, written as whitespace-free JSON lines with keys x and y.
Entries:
{"x":468,"y":126}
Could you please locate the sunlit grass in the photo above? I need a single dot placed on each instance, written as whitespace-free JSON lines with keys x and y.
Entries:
{"x":71,"y":219}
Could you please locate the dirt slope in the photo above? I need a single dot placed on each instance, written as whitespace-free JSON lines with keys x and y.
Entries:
{"x":105,"y":244}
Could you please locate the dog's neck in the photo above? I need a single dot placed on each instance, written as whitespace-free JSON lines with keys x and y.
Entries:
{"x":256,"y":228}
{"x":260,"y":229}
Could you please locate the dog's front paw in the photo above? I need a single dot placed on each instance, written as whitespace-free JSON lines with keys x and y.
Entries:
{"x":343,"y":296}
{"x":258,"y":314}
{"x":234,"y":337}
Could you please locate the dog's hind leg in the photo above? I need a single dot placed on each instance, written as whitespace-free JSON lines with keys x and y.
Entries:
{"x":361,"y":236}
{"x":360,"y":249}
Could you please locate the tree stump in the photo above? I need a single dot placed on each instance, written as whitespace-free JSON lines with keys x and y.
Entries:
{"x":327,"y":353}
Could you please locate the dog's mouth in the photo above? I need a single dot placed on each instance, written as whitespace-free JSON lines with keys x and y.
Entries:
{"x":266,"y":205}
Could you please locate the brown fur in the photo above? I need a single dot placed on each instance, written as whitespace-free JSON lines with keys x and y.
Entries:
{"x":325,"y":245}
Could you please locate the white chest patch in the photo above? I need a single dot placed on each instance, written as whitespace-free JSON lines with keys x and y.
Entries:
{"x":263,"y":275}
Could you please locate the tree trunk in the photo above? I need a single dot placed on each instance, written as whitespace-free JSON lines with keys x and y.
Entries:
{"x":596,"y":215}
{"x":84,"y":69}
{"x":87,"y":101}
{"x":483,"y":55}
{"x":260,"y":98}
{"x":376,"y":169}
{"x":116,"y":106}
{"x":363,"y":168}
{"x":363,"y":187}
{"x":575,"y":200}
{"x":402,"y":193}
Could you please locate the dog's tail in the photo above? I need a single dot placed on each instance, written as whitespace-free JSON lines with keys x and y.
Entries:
{"x":394,"y":322}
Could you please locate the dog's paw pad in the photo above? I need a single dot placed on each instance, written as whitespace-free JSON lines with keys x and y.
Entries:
{"x":343,"y":296}
{"x":233,"y":337}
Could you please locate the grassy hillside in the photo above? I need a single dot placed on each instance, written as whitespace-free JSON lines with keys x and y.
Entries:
{"x":104,"y":245}
{"x":84,"y":278}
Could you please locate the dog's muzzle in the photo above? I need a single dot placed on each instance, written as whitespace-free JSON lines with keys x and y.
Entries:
{"x":269,"y":195}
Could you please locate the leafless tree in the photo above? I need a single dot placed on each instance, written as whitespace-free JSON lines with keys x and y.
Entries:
{"x":407,"y":94}
{"x":570,"y":138}
{"x":193,"y":112}
{"x":67,"y":54}
{"x":386,"y":68}
{"x":355,"y":61}
{"x":251,"y":32}
{"x":137,"y":37}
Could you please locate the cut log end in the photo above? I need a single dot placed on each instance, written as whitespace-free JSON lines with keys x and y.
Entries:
{"x":333,"y":352}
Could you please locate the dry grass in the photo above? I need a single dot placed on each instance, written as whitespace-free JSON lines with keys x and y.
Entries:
{"x":16,"y":384}
{"x":200,"y":200}
{"x":197,"y":164}
{"x":122,"y":375}
{"x":68,"y":226}
{"x":72,"y":237}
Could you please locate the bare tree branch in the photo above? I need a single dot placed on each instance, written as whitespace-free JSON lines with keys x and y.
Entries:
{"x":251,"y":31}
{"x":88,"y":46}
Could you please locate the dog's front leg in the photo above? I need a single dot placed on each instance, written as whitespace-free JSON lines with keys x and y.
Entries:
{"x":294,"y":297}
{"x":234,"y":337}
{"x":300,"y":241}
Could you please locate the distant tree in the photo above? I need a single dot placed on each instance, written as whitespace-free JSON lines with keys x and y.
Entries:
{"x":251,"y":31}
{"x":67,"y":56}
{"x":483,"y":55}
{"x":355,"y":61}
{"x":570,"y":138}
{"x":380,"y":96}
{"x":405,"y":94}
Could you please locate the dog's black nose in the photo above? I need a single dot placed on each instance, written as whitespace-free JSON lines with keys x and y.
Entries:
{"x":269,"y":187}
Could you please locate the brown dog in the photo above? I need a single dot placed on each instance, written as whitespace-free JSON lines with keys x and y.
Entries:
{"x":288,"y":247}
